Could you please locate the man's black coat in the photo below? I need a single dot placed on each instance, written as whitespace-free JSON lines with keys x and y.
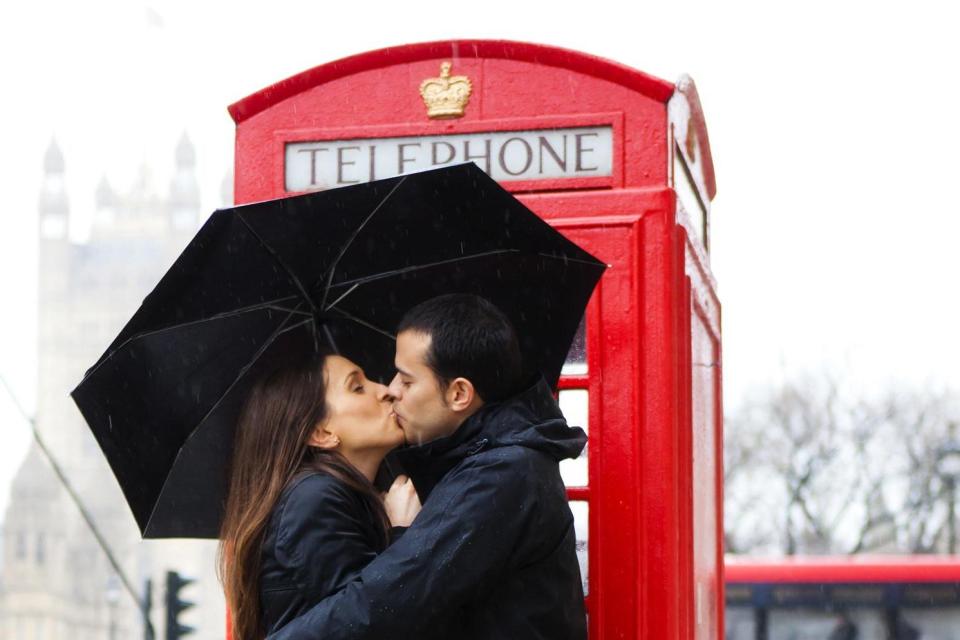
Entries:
{"x":491,"y":555}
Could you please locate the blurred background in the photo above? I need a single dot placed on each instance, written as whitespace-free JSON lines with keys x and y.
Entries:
{"x":834,"y":135}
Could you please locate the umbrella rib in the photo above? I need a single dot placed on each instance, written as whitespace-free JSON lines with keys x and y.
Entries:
{"x":364,"y":323}
{"x":349,"y":242}
{"x":273,"y":254}
{"x":345,"y":294}
{"x":280,"y":330}
{"x":389,"y":274}
{"x":416,"y":267}
{"x":270,"y":304}
{"x":333,"y":343}
{"x":590,"y":263}
{"x":396,"y":272}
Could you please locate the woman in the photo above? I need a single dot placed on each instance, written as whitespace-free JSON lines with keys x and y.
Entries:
{"x":303,"y":516}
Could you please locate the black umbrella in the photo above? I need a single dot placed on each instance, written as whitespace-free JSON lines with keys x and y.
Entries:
{"x":338,"y":267}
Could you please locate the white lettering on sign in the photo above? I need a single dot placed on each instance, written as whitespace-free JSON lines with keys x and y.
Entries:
{"x":579,"y":152}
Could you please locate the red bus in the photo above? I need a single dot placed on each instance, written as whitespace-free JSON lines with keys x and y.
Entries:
{"x":882,"y":598}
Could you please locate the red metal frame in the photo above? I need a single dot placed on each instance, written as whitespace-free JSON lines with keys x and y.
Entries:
{"x":644,"y":562}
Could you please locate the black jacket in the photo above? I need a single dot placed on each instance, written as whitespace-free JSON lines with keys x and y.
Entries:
{"x":320,"y":535}
{"x":491,"y":555}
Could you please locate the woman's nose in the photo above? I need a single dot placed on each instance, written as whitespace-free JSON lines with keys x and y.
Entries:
{"x":383,"y":393}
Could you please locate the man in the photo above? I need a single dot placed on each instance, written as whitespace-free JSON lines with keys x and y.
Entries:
{"x":492,"y":553}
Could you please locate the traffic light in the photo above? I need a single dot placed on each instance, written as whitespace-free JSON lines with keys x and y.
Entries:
{"x":146,"y":603}
{"x":176,"y":605}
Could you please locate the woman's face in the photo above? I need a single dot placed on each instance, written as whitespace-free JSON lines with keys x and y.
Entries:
{"x":359,"y":411}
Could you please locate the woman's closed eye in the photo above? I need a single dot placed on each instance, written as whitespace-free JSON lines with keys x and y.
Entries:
{"x":355,"y":382}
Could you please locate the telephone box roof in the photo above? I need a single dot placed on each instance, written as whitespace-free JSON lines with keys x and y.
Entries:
{"x":646,"y":84}
{"x":576,"y":61}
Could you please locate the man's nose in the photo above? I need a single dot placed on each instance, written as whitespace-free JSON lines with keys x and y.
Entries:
{"x":395,"y":389}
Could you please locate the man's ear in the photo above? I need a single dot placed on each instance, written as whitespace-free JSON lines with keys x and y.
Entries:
{"x":323,"y":439}
{"x":461,"y":394}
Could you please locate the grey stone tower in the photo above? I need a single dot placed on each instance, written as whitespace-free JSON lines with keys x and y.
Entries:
{"x":56,"y":582}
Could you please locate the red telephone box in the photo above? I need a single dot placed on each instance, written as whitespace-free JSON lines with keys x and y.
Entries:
{"x":620,"y":162}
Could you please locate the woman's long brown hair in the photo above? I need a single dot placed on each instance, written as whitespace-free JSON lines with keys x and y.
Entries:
{"x":270,"y":449}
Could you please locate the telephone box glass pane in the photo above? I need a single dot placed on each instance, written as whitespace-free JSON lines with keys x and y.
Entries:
{"x":581,"y":519}
{"x":574,"y":403}
{"x":576,"y":363}
{"x":704,"y":354}
{"x":689,"y":198}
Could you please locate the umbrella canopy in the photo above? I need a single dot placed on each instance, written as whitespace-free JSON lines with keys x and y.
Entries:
{"x":338,"y":267}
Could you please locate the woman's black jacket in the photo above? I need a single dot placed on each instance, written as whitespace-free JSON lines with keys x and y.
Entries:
{"x":320,"y":535}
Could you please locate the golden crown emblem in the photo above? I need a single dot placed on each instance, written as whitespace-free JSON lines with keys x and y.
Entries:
{"x":446,"y":96}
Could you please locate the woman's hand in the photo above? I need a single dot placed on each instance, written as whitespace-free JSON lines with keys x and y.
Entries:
{"x":401,"y":502}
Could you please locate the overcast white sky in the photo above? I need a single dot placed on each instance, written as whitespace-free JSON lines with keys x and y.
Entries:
{"x":834,"y":130}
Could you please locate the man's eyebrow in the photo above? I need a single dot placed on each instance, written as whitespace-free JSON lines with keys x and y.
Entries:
{"x":403,"y":372}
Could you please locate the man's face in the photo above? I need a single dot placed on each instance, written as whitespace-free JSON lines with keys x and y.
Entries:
{"x":419,"y":402}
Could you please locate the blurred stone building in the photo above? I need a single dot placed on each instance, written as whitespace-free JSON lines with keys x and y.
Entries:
{"x":56,"y":582}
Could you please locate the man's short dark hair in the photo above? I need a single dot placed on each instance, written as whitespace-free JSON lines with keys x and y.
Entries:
{"x":470,"y":338}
